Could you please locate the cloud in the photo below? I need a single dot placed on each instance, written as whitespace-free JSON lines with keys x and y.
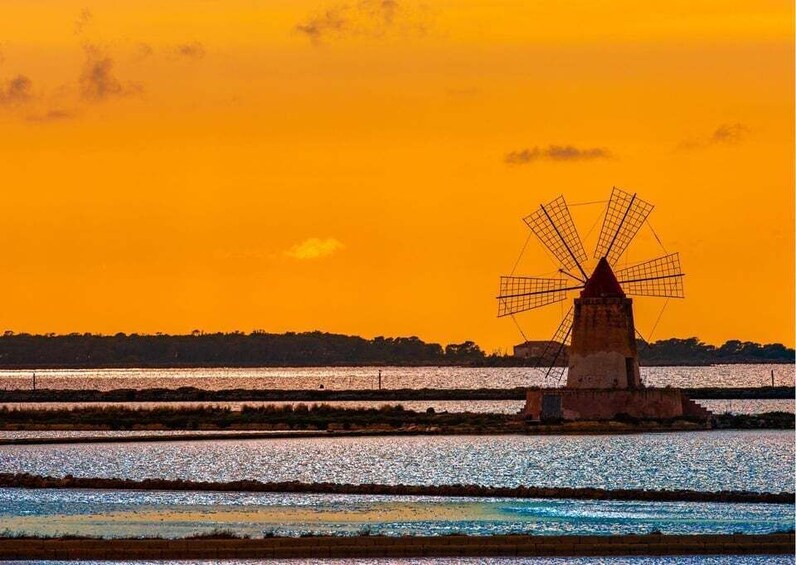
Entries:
{"x":331,"y":22}
{"x":55,"y":115}
{"x":366,"y":18}
{"x":83,"y":19}
{"x":193,"y":50}
{"x":314,"y":248}
{"x":560,"y":153}
{"x":725,"y":134}
{"x":143,"y":50}
{"x":17,"y":95}
{"x":17,"y":90}
{"x":729,"y":134}
{"x":97,"y":81}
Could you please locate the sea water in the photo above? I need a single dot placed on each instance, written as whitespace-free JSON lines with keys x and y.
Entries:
{"x":170,"y":514}
{"x":368,"y":377}
{"x":678,"y":560}
{"x":761,"y":461}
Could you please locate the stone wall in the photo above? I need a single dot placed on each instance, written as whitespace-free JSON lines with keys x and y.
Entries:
{"x":603,"y":350}
{"x":607,"y":404}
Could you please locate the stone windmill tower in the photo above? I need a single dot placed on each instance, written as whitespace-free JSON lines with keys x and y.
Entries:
{"x":603,"y":374}
{"x":602,"y":351}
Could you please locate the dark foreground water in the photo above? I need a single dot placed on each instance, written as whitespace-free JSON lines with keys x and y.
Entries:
{"x":682,"y":559}
{"x":367,"y":377}
{"x":704,"y":461}
{"x":109,"y":513}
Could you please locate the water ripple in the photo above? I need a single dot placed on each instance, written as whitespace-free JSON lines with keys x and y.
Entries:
{"x":367,"y":377}
{"x":705,"y":461}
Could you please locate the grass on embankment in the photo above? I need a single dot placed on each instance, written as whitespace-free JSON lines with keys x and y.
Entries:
{"x":401,"y":547}
{"x":272,"y":417}
{"x":332,"y":418}
{"x":27,"y":481}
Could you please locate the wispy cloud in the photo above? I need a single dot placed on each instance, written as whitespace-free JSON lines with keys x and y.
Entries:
{"x":143,"y":50}
{"x":56,"y":115}
{"x":725,"y":134}
{"x":319,"y":27}
{"x":729,"y":133}
{"x":18,"y":99}
{"x":366,"y":18}
{"x":83,"y":19}
{"x":560,"y":153}
{"x":314,"y":248}
{"x":192,"y":50}
{"x":98,"y":81}
{"x":16,"y":90}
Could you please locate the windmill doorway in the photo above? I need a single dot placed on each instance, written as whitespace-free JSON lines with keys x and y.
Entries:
{"x":551,"y":407}
{"x":630,"y":372}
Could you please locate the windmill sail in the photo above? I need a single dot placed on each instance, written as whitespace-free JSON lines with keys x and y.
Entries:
{"x":624,"y":217}
{"x":658,"y":277}
{"x":601,"y":291}
{"x":554,"y":350}
{"x":518,"y":294}
{"x":553,"y":225}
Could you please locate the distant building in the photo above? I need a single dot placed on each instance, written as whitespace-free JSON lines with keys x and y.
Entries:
{"x":535,"y":349}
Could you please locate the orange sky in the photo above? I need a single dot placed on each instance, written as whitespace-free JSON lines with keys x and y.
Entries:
{"x":299,"y":165}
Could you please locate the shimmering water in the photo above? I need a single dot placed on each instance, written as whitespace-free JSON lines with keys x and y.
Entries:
{"x":705,"y":461}
{"x":367,"y":377}
{"x":680,"y":559}
{"x":57,"y":434}
{"x":736,"y":406}
{"x":748,"y":406}
{"x":110,"y":513}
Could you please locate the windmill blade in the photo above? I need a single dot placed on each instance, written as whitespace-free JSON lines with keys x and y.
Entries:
{"x":553,"y":225}
{"x":624,"y":217}
{"x":658,"y":277}
{"x":554,"y":348}
{"x":518,"y":294}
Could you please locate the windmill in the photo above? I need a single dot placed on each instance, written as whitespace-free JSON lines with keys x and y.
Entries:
{"x":599,"y":327}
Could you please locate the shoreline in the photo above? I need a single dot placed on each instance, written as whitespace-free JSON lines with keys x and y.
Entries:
{"x":28,"y":481}
{"x":382,"y":546}
{"x":573,"y":428}
{"x":192,"y":394}
{"x":328,"y":420}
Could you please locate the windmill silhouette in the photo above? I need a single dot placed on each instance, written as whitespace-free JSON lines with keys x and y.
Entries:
{"x":599,"y":328}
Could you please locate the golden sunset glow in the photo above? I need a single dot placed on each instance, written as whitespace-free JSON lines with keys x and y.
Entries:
{"x":363,"y":167}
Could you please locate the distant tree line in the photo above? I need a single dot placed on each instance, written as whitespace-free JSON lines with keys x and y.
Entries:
{"x":691,"y":351}
{"x":261,"y":349}
{"x":257,"y":349}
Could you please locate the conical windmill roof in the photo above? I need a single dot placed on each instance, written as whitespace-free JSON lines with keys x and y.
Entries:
{"x":602,"y":283}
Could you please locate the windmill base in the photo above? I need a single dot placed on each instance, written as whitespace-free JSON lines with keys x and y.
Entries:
{"x":555,"y":404}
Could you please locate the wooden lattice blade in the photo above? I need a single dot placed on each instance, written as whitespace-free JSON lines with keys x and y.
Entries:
{"x":624,"y":216}
{"x":552,"y":224}
{"x":518,"y":294}
{"x":554,"y":349}
{"x":661,"y":277}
